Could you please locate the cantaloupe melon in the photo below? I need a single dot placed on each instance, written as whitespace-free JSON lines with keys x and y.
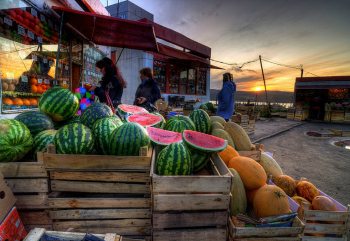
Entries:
{"x":270,"y":165}
{"x":238,"y":202}
{"x":239,"y":136}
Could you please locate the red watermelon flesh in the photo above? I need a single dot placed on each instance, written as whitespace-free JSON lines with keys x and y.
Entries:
{"x":145,"y":119}
{"x":124,"y":109}
{"x":204,"y":142}
{"x":163,"y":137}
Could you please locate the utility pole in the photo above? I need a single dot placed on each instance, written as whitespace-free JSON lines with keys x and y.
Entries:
{"x":263,"y":75}
{"x":302,"y":71}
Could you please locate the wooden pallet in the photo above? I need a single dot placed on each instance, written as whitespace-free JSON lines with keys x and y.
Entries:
{"x":326,"y":225}
{"x":266,"y":234}
{"x":191,"y":207}
{"x":94,"y":193}
{"x":29,"y":182}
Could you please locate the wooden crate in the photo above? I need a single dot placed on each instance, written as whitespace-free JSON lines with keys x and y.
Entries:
{"x":267,"y":233}
{"x":191,"y":207}
{"x":28,"y":180}
{"x":337,"y":116}
{"x":94,"y":193}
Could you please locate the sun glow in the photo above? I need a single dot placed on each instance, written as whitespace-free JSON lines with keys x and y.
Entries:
{"x":258,"y":88}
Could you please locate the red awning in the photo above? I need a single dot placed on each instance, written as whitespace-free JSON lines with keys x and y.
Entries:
{"x":178,"y":55}
{"x":110,"y":31}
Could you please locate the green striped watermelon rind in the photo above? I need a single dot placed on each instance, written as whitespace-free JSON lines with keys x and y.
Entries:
{"x":199,"y":159}
{"x":179,"y":123}
{"x":128,"y":139}
{"x":178,"y":155}
{"x":95,"y":112}
{"x":145,"y":119}
{"x":35,"y":121}
{"x":15,"y":140}
{"x":102,"y":130}
{"x":74,"y":139}
{"x":163,"y":137}
{"x":203,"y":142}
{"x":59,"y":103}
{"x":42,"y":140}
{"x":201,"y":121}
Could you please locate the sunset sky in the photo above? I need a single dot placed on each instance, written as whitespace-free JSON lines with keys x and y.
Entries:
{"x":315,"y":33}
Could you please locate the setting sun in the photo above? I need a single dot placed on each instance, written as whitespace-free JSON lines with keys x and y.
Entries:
{"x":258,"y":88}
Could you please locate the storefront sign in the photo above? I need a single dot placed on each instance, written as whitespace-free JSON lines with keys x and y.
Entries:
{"x":8,"y":21}
{"x":21,"y":30}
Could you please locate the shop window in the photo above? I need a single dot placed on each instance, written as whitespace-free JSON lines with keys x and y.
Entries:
{"x":202,"y":82}
{"x":174,"y":80}
{"x":183,"y":81}
{"x":92,"y":75}
{"x":191,"y":82}
{"x":28,"y":48}
{"x":159,"y":75}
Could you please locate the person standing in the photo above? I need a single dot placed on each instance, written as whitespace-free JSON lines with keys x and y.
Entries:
{"x":111,"y":85}
{"x":148,"y":91}
{"x":226,"y":99}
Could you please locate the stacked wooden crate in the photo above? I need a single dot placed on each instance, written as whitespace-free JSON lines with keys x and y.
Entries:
{"x":100,"y":194}
{"x":191,"y":208}
{"x":347,"y":116}
{"x":337,"y":116}
{"x":28,"y":180}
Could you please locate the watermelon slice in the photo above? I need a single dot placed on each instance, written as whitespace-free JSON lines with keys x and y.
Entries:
{"x":125,"y":109}
{"x":163,"y":137}
{"x":204,"y":142}
{"x":146,"y":119}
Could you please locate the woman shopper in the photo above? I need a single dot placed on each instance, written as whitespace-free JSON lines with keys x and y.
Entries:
{"x":226,"y":97}
{"x":111,"y":85}
{"x":148,"y":91}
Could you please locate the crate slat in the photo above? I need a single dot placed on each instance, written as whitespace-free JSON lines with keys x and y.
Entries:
{"x":72,"y":214}
{"x":38,"y":201}
{"x":319,"y":228}
{"x":208,"y":234}
{"x":98,"y":187}
{"x":99,"y":202}
{"x":310,"y":238}
{"x":101,"y":176}
{"x":268,"y":239}
{"x":25,"y":185}
{"x":22,"y":169}
{"x":312,"y":215}
{"x":95,"y":162}
{"x":183,"y":220}
{"x":178,"y":202}
{"x":127,"y":230}
{"x":30,"y":217}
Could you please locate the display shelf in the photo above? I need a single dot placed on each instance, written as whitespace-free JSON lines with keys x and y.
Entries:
{"x":22,"y":94}
{"x":18,"y":110}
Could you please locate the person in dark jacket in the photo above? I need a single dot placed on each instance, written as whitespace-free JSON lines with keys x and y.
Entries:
{"x":226,"y":97}
{"x":112,"y":83}
{"x":148,"y":91}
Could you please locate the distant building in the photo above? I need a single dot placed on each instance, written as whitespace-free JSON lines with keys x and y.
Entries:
{"x":181,"y":78}
{"x":324,"y":98}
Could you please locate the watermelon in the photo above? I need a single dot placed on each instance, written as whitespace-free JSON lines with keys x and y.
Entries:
{"x":199,"y":159}
{"x":146,"y":119}
{"x":179,"y":123}
{"x":162,"y":124}
{"x":210,"y":106}
{"x":163,"y":137}
{"x":15,"y":140}
{"x":74,"y":139}
{"x":201,"y":121}
{"x":102,"y":130}
{"x":59,"y":103}
{"x":174,"y":159}
{"x":203,"y":142}
{"x":125,"y":110}
{"x":128,"y":139}
{"x":95,"y":112}
{"x":35,"y":121}
{"x":74,"y":119}
{"x":42,"y":140}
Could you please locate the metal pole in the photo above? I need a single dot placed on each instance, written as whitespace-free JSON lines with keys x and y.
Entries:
{"x":302,"y":71}
{"x":118,"y":10}
{"x":59,"y":48}
{"x":263,"y":75}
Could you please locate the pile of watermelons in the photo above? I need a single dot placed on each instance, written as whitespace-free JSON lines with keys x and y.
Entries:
{"x":185,"y":142}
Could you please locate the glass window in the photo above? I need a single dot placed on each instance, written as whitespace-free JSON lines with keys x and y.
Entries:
{"x":91,"y":74}
{"x":202,"y":82}
{"x":174,"y":79}
{"x":191,"y":85}
{"x":159,"y":75}
{"x":183,"y":81}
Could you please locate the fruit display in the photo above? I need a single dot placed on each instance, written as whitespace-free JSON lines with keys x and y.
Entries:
{"x":203,"y":142}
{"x":228,"y":153}
{"x":125,"y":110}
{"x":179,"y":123}
{"x":74,"y":139}
{"x":323,"y":203}
{"x":146,"y":119}
{"x":174,"y":159}
{"x":307,"y":190}
{"x":15,"y":140}
{"x":224,"y":135}
{"x":199,"y":159}
{"x":286,"y":183}
{"x":95,"y":112}
{"x":201,"y":121}
{"x":270,"y":165}
{"x":239,"y":136}
{"x":42,"y":140}
{"x":35,"y":121}
{"x":163,"y":137}
{"x":59,"y":103}
{"x":239,"y":199}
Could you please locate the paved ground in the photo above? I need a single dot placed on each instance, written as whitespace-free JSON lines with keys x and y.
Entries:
{"x":327,"y":166}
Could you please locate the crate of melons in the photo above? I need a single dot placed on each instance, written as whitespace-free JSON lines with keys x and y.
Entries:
{"x":190,"y":185}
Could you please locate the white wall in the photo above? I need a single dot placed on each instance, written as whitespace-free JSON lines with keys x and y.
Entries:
{"x":130,"y":63}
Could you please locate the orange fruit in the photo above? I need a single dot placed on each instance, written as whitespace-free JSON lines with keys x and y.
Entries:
{"x":18,"y":101}
{"x":34,"y":89}
{"x":7,"y":101}
{"x":26,"y":102}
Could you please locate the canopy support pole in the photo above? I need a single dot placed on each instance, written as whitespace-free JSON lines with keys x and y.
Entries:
{"x":59,"y":49}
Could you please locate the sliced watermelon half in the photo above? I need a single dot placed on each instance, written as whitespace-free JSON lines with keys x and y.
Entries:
{"x":163,"y":137}
{"x":146,"y":119}
{"x":204,"y":142}
{"x":125,"y":109}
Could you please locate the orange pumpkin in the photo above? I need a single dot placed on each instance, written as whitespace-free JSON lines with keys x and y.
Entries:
{"x":323,"y":203}
{"x":251,"y":195}
{"x":18,"y":101}
{"x":227,"y":154}
{"x":252,"y":173}
{"x":287,"y":184}
{"x":270,"y":200}
{"x":7,"y":101}
{"x":307,"y":190}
